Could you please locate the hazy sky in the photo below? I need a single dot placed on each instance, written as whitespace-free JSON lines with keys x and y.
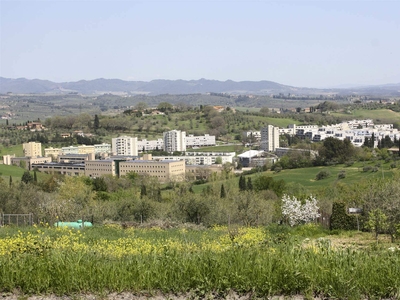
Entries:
{"x":300,"y":43}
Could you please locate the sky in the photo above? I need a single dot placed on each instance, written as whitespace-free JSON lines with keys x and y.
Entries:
{"x":300,"y":43}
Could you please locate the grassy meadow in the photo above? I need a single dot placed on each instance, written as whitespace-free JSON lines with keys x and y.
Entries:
{"x":375,"y":114}
{"x":275,"y":260}
{"x":307,"y":176}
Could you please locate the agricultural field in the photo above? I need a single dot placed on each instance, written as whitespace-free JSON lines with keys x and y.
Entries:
{"x":374,"y":114}
{"x":262,"y":261}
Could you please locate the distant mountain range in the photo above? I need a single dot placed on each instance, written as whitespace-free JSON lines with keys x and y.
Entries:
{"x":156,"y":87}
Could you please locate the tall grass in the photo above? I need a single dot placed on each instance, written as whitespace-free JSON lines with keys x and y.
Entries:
{"x":249,"y":260}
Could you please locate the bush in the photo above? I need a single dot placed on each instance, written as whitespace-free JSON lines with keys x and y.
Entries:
{"x":393,"y":165}
{"x":349,"y":163}
{"x":367,"y":168}
{"x":342,"y":174}
{"x":340,"y":219}
{"x":322,"y":175}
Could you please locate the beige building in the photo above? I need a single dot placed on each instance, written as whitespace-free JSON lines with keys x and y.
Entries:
{"x":164,"y":170}
{"x":7,"y":159}
{"x":61,"y":168}
{"x":83,"y":149}
{"x":52,"y":152}
{"x":27,"y":162}
{"x":32,"y":149}
{"x":97,"y":168}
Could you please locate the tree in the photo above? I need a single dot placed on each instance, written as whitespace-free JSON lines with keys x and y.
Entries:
{"x":242,"y":183}
{"x":143,"y":191}
{"x":164,"y":106}
{"x":249,"y":185}
{"x":27,"y":177}
{"x":34,"y":176}
{"x":10,"y":180}
{"x":194,"y":208}
{"x":99,"y":184}
{"x":223,"y":194}
{"x":218,"y":160}
{"x":264,"y":110}
{"x":383,"y":194}
{"x":141,"y":106}
{"x":297,"y":213}
{"x":336,"y":150}
{"x":96,"y":123}
{"x":377,"y":222}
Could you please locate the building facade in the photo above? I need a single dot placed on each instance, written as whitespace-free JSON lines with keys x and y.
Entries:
{"x":125,"y":145}
{"x":174,"y":140}
{"x":269,"y":138}
{"x":150,"y":145}
{"x":164,"y":170}
{"x":200,"y":141}
{"x":32,"y":149}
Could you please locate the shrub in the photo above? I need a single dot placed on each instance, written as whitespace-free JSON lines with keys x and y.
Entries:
{"x":367,"y":168}
{"x":340,"y":219}
{"x":393,"y":165}
{"x":349,"y":163}
{"x":322,"y":175}
{"x":342,"y":174}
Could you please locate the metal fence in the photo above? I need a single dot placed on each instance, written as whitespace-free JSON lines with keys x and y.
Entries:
{"x":16,"y":219}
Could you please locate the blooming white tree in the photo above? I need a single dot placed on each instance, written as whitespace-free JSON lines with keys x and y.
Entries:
{"x":296,"y":212}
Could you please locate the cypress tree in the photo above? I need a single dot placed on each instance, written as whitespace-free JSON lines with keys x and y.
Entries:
{"x":143,"y":191}
{"x":10,"y":180}
{"x":242,"y":183}
{"x":96,"y":123}
{"x":223,"y":194}
{"x":249,"y":184}
{"x":26,"y":177}
{"x":34,"y":176}
{"x":372,"y":141}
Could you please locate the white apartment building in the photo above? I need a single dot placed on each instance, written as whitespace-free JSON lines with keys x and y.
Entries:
{"x":32,"y":149}
{"x":269,"y":138}
{"x":200,"y":141}
{"x":174,"y":140}
{"x":150,"y":145}
{"x":252,"y":135}
{"x":356,"y":131}
{"x":125,"y":145}
{"x":200,"y":158}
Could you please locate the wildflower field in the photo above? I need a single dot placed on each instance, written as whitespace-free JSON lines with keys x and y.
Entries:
{"x":262,"y":261}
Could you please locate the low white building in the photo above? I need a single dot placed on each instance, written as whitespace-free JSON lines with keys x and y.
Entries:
{"x":201,"y":158}
{"x":200,"y":141}
{"x":150,"y":145}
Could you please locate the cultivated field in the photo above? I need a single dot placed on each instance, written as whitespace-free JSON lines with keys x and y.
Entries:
{"x":262,"y":261}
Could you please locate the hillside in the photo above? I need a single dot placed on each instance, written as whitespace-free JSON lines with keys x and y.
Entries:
{"x":161,"y":86}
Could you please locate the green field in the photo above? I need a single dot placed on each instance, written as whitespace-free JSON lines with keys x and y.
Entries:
{"x":306,"y":176}
{"x":16,"y":173}
{"x":16,"y":149}
{"x":264,"y":262}
{"x":374,"y":114}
